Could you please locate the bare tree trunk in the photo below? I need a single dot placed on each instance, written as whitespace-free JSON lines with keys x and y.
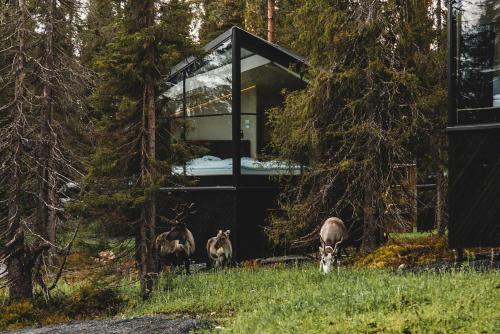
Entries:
{"x":440,"y":216}
{"x":413,"y":195}
{"x":147,"y":230}
{"x":49,"y":105}
{"x":18,"y":264}
{"x":45,"y":209}
{"x":439,"y":204}
{"x":439,"y":16}
{"x":371,"y":230}
{"x":270,"y":20}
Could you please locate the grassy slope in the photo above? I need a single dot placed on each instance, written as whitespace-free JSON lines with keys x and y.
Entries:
{"x":301,"y":300}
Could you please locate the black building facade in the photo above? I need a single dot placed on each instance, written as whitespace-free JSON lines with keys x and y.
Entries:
{"x":474,"y":123}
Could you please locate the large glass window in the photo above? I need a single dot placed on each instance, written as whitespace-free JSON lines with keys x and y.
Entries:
{"x":199,"y":108}
{"x":262,"y":84}
{"x":478,"y":61}
{"x":200,"y":115}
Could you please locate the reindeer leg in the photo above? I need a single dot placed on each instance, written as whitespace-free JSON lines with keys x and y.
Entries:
{"x":186,"y":265}
{"x":345,"y":251}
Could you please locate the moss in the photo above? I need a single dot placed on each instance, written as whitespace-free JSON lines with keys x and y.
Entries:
{"x":409,"y":251}
{"x":18,"y":315}
{"x":87,"y":302}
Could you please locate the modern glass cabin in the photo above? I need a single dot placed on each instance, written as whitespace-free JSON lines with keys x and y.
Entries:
{"x":474,"y":123}
{"x":216,"y":105}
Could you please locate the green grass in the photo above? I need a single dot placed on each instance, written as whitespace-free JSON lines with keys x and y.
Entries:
{"x":411,"y":235}
{"x":301,"y":300}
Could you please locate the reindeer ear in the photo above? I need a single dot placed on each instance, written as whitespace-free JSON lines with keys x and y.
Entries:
{"x":228,"y":232}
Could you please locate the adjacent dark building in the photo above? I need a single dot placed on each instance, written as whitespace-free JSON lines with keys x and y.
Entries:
{"x":217,"y":104}
{"x":474,"y":123}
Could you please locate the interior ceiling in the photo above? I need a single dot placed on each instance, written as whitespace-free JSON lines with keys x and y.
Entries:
{"x":270,"y":77}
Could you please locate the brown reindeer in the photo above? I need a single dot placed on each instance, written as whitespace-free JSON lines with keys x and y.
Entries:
{"x":220,"y":250}
{"x":332,"y":234}
{"x":176,"y":246}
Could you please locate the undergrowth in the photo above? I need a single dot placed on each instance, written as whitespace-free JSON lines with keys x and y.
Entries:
{"x":410,"y":251}
{"x":368,"y":297}
{"x":86,"y":302}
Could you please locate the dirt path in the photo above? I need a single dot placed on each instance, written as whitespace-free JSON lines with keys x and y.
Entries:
{"x":141,"y":325}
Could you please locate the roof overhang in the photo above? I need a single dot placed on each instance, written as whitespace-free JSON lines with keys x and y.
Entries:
{"x":253,"y":43}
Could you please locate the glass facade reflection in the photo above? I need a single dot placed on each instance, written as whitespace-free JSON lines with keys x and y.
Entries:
{"x":199,"y":108}
{"x":262,"y":85}
{"x":478,"y":61}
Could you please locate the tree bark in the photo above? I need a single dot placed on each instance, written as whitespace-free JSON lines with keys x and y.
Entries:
{"x":45,"y":224}
{"x":441,"y":217}
{"x":439,"y":16}
{"x":371,"y":229}
{"x":270,"y":20}
{"x":18,"y":264}
{"x":147,"y":230}
{"x":440,"y":204}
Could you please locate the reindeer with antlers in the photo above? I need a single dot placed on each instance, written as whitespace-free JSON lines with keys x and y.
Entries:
{"x":332,"y":234}
{"x":176,"y":245}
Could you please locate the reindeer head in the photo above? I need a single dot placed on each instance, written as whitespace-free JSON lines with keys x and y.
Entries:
{"x":222,"y":237}
{"x":177,"y":231}
{"x":329,"y":255}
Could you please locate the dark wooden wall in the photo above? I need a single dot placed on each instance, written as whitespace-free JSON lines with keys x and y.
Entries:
{"x":243,"y":211}
{"x":474,"y":189}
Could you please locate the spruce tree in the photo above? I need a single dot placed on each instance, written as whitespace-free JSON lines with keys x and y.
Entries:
{"x":41,"y":91}
{"x":125,"y":171}
{"x":218,"y":16}
{"x":370,"y":93}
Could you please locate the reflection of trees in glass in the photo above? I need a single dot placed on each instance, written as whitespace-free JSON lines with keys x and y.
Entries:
{"x":477,"y":58}
{"x":490,"y":12}
{"x":208,"y":86}
{"x":476,"y":55}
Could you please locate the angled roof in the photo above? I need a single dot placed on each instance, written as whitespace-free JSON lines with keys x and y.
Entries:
{"x":249,"y":41}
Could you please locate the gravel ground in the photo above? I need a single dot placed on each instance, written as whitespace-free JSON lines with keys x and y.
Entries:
{"x":141,"y":325}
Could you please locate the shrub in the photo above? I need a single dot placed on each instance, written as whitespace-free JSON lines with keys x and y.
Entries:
{"x":18,"y":315}
{"x":91,"y":302}
{"x":87,"y":302}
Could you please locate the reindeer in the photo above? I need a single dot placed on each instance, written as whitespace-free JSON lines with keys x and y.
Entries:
{"x":219,"y":249}
{"x":176,"y":245}
{"x":332,"y":234}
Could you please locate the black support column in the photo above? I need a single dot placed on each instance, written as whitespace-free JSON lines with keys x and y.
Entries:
{"x":452,"y":65}
{"x":236,"y":106}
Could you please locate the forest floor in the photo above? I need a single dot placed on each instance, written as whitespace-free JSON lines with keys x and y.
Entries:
{"x":369,"y":294}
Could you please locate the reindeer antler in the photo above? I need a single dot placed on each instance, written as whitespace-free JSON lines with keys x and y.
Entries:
{"x":337,"y":244}
{"x":181,"y":211}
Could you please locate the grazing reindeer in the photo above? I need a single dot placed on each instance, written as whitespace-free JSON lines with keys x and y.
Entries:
{"x":332,"y":234}
{"x":176,"y":245}
{"x":220,"y":250}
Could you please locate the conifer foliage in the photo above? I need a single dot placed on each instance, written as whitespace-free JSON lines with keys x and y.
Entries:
{"x":370,"y":93}
{"x":149,"y":38}
{"x":40,"y":93}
